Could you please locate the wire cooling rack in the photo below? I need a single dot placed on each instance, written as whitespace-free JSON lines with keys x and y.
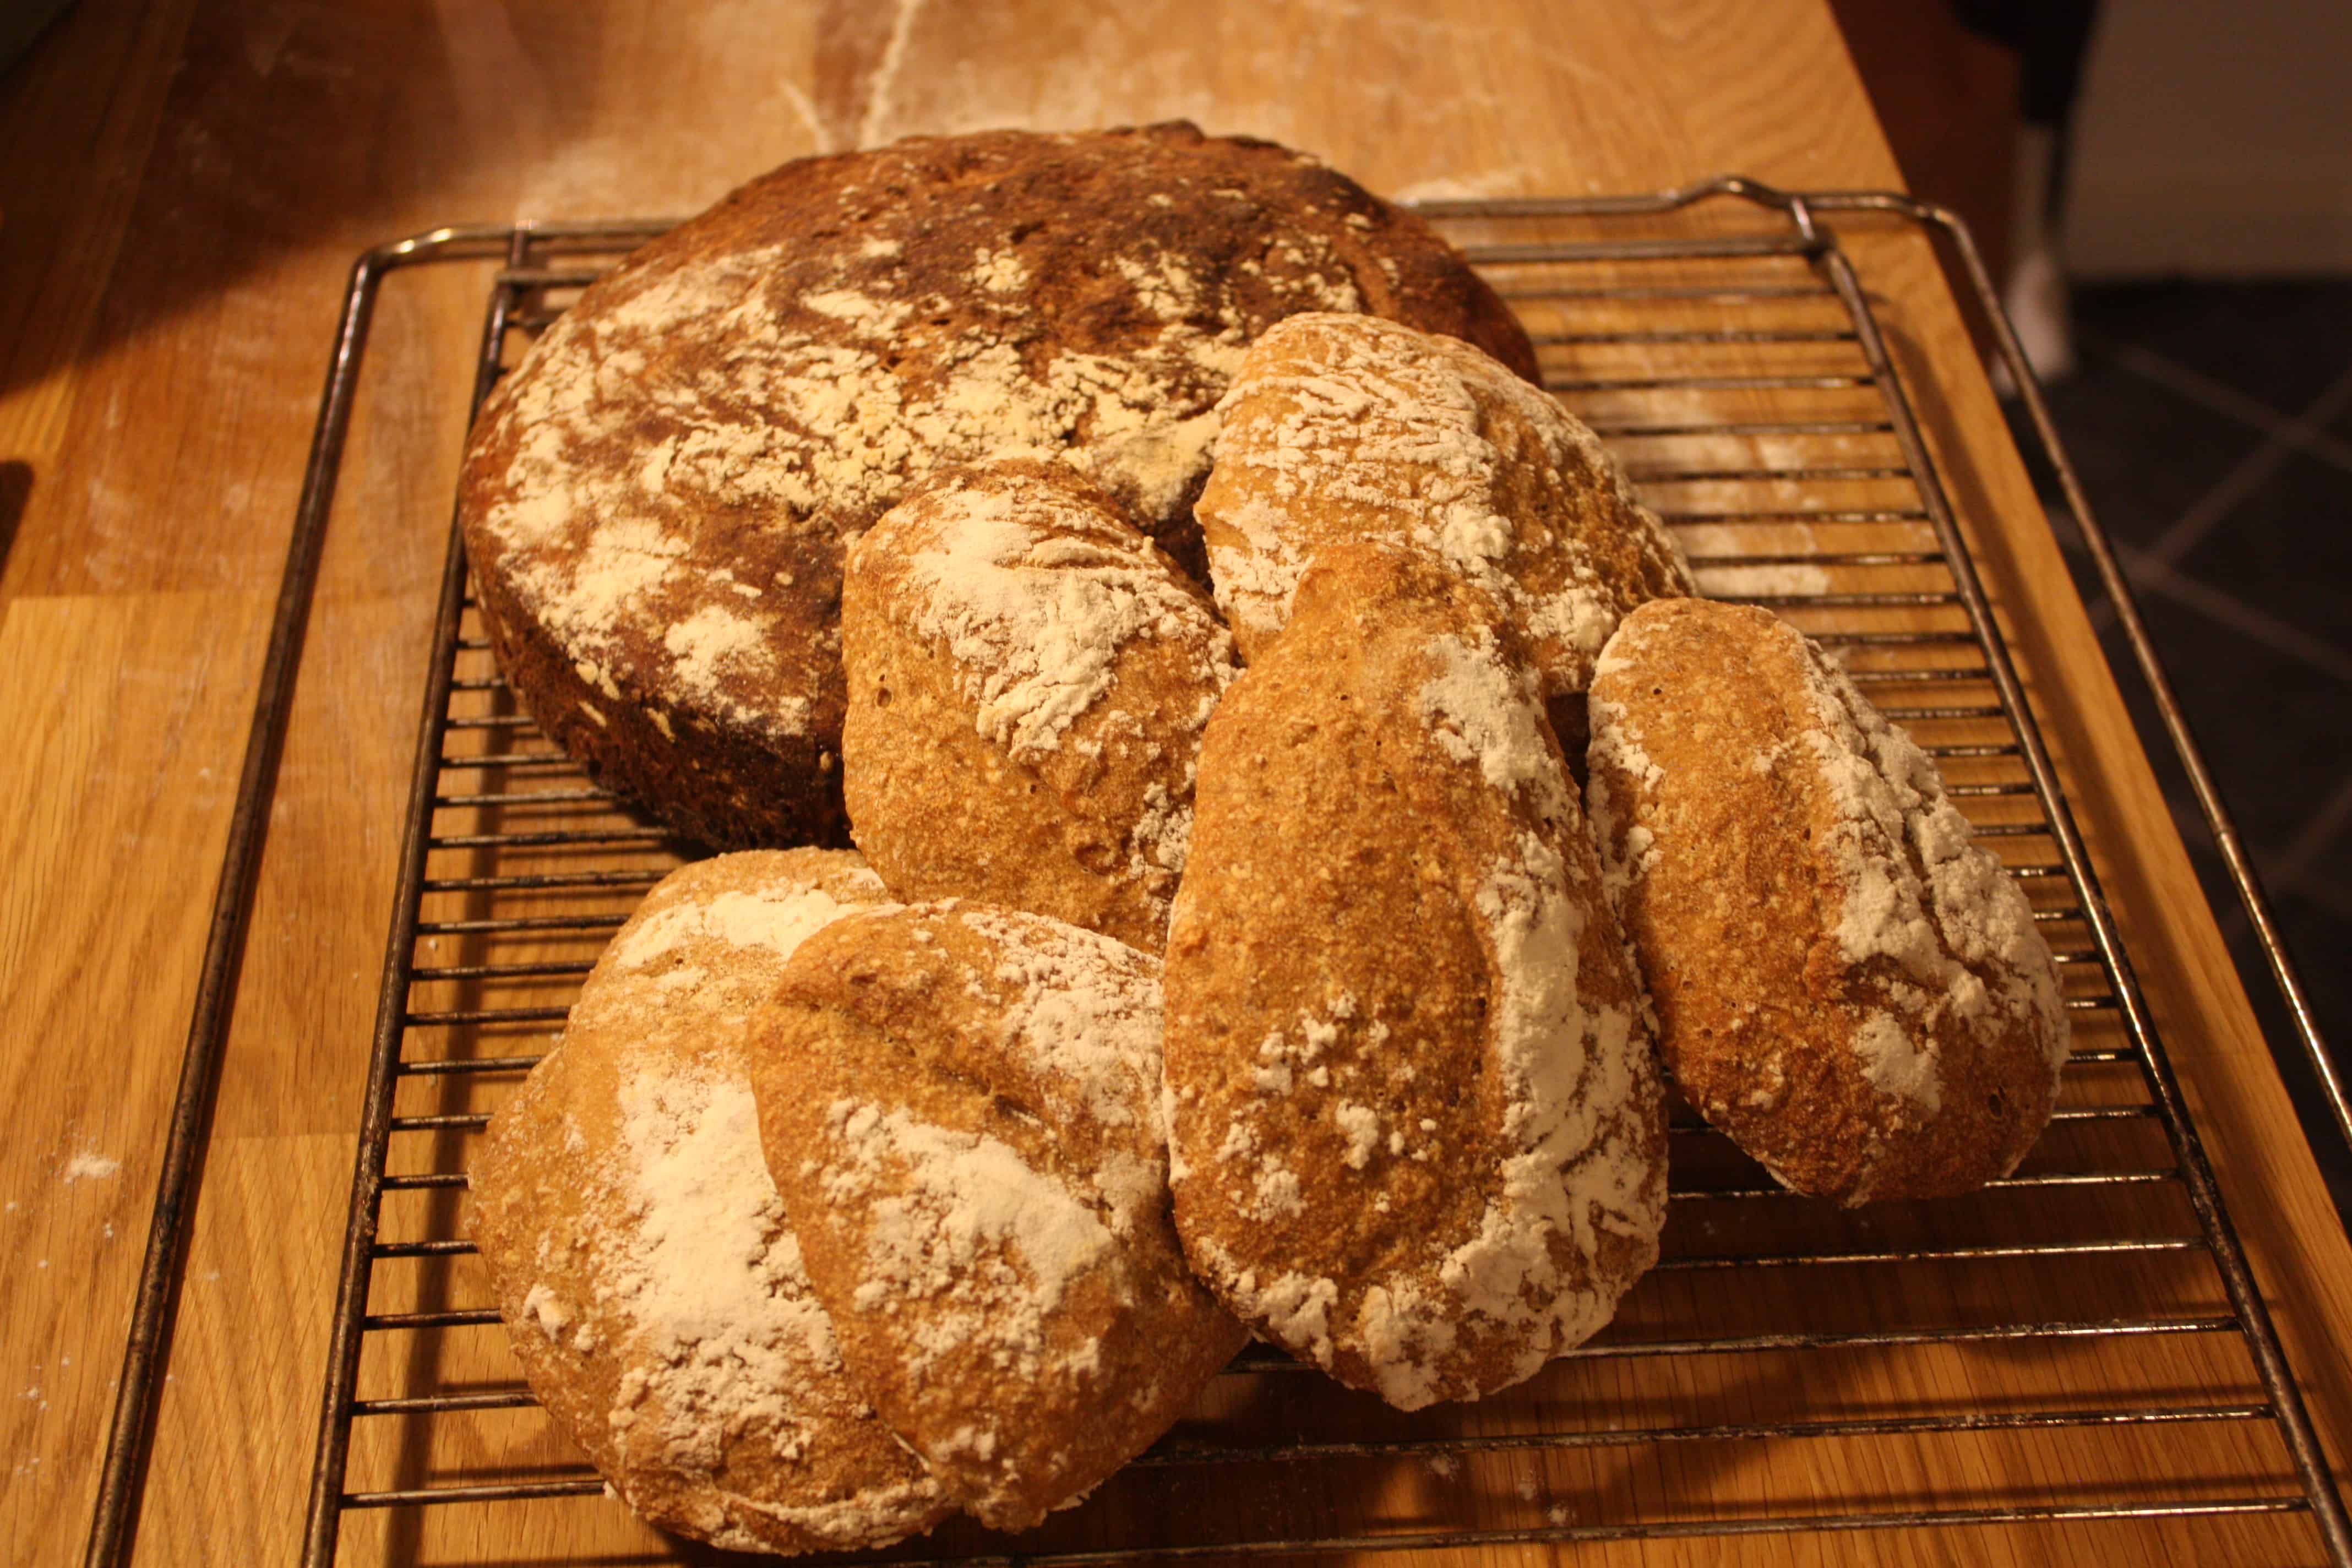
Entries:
{"x":2079,"y":1349}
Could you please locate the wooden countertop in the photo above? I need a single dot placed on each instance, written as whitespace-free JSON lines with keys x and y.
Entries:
{"x":184,"y":185}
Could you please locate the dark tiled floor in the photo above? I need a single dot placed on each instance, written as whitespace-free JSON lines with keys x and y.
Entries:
{"x":2113,"y":421}
{"x":2211,"y":426}
{"x":2282,"y":344}
{"x":2286,"y":548}
{"x":2274,"y":730}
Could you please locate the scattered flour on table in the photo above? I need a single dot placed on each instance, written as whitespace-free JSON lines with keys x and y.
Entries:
{"x":1730,"y":582}
{"x":1485,"y":184}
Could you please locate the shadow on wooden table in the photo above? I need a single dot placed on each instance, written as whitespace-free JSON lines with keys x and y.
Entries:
{"x":238,"y":158}
{"x":15,"y":489}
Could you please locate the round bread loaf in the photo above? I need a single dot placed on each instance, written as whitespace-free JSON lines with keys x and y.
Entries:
{"x":1341,"y":428}
{"x":651,"y":1285}
{"x":655,"y":500}
{"x":1028,"y":678}
{"x":1416,"y":1128}
{"x":1846,"y":983}
{"x":961,"y":1104}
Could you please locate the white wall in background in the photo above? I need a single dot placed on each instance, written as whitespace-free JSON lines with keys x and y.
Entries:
{"x":2214,"y":136}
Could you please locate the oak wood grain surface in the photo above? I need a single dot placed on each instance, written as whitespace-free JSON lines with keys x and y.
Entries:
{"x":182,"y":187}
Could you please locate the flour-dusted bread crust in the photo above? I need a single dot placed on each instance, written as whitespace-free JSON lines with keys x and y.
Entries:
{"x":655,"y":500}
{"x":1846,"y":983}
{"x":650,"y":1283}
{"x":1028,"y":679}
{"x":1341,"y":428}
{"x":1416,"y":1124}
{"x":961,"y":1104}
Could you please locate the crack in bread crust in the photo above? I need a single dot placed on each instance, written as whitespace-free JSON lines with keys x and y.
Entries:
{"x":1029,"y":677}
{"x":1006,"y":1283}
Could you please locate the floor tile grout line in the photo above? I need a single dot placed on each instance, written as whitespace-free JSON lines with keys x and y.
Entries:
{"x":2308,"y":431}
{"x":2215,"y":396}
{"x":2299,"y":431}
{"x":2215,"y":604}
{"x":2248,"y":474}
{"x":2251,"y":471}
{"x":2294,"y":863}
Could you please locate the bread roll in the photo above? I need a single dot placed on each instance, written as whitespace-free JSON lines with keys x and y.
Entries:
{"x":1845,"y":985}
{"x":655,"y":500}
{"x":1028,"y":676}
{"x":650,"y":1283}
{"x":1343,"y":428}
{"x":1416,"y":1126}
{"x":960,"y":1106}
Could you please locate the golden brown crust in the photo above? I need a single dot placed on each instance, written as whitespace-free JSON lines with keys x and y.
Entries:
{"x":1028,"y":676}
{"x":961,"y":1105}
{"x":1845,"y":985}
{"x":1416,"y":1126}
{"x":650,"y":1284}
{"x":1343,"y":428}
{"x":655,"y":500}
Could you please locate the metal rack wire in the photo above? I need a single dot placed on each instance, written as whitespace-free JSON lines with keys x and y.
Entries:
{"x":1722,"y":340}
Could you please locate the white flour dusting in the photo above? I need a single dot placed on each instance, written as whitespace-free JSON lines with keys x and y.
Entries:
{"x":87,"y":1166}
{"x":1351,"y":428}
{"x":1070,"y":640}
{"x":1574,"y":1155}
{"x":1940,"y":934}
{"x":1572,"y":1071}
{"x":1482,"y":709}
{"x":806,"y":424}
{"x":1919,"y":889}
{"x":698,"y":408}
{"x":776,"y":919}
{"x":1895,"y":1066}
{"x":689,"y":1280}
{"x":1574,"y":1166}
{"x":1295,"y":1308}
{"x":1034,"y":602}
{"x":991,"y":1218}
{"x":1785,"y":579}
{"x":710,"y":1274}
{"x":1084,"y":1007}
{"x":960,"y":1221}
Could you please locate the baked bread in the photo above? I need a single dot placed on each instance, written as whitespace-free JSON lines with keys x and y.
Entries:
{"x":655,"y":500}
{"x":1416,"y":1130}
{"x":1028,"y":676}
{"x":961,"y":1104}
{"x":650,"y":1283}
{"x":1343,"y":427}
{"x":1845,"y":985}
